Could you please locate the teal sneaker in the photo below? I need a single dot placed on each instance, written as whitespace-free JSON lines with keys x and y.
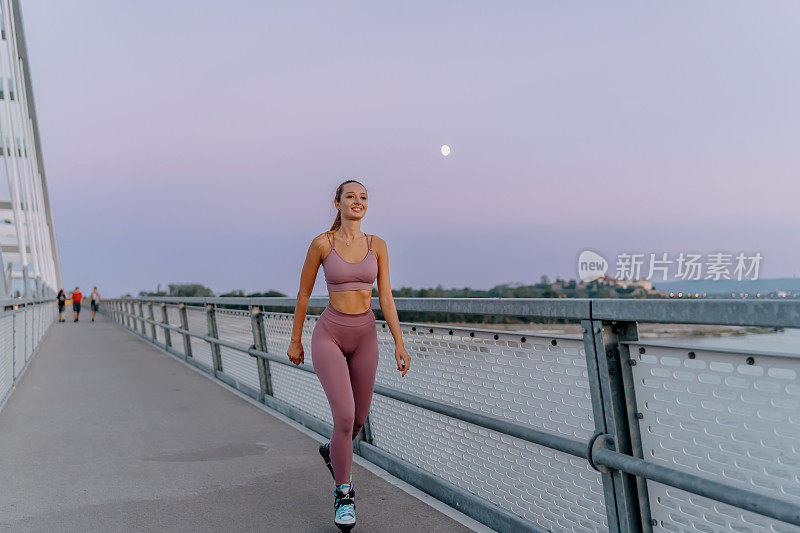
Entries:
{"x":345,"y":506}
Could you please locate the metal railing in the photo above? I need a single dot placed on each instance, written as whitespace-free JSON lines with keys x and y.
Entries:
{"x":537,"y":432}
{"x":23,"y":325}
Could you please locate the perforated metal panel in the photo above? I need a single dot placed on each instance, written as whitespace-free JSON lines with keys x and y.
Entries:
{"x":554,"y":490}
{"x":298,"y":388}
{"x":278,"y":327}
{"x":541,"y":382}
{"x":6,"y":355}
{"x":198,"y":323}
{"x":235,"y":326}
{"x":173,"y":315}
{"x":723,"y":417}
{"x":28,"y":337}
{"x":21,"y":333}
{"x":158,"y":318}
{"x":19,"y":343}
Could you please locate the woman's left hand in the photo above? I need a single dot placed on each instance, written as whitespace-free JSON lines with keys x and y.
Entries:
{"x":402,"y":358}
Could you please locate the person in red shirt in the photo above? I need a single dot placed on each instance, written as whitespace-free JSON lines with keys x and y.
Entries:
{"x":76,"y":302}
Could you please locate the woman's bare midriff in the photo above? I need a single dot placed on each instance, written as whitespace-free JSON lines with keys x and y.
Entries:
{"x":352,"y":302}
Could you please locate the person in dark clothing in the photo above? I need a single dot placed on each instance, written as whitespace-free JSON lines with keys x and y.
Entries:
{"x":61,"y":299}
{"x":95,"y":304}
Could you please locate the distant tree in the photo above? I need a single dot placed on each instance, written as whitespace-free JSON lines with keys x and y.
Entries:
{"x":268,"y":294}
{"x":238,"y":293}
{"x":189,"y":290}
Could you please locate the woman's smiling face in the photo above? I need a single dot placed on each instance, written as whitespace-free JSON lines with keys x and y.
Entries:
{"x":354,"y":201}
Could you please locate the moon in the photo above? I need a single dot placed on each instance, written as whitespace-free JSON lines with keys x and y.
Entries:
{"x":445,"y":150}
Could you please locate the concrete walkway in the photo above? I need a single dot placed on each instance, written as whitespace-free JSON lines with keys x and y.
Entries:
{"x":106,"y":433}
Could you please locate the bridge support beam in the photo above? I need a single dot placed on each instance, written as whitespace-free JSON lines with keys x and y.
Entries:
{"x":187,"y":339}
{"x":152,"y":324}
{"x":614,"y":408}
{"x":260,"y":343}
{"x":165,"y":320}
{"x":216,"y":353}
{"x":142,"y":323}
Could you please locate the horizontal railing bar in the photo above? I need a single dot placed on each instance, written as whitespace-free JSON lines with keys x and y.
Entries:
{"x":716,"y":349}
{"x":767,"y":313}
{"x":574,"y":308}
{"x":744,"y":499}
{"x":5,"y":302}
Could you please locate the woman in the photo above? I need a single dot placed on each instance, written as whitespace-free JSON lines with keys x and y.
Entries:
{"x":61,"y":299}
{"x":344,"y":343}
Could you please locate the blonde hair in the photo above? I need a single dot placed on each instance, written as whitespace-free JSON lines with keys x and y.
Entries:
{"x":337,"y":222}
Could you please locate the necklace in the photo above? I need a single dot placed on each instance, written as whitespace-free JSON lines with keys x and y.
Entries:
{"x":347,"y":243}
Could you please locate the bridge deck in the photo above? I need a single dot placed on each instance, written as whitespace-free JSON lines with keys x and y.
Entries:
{"x":106,"y":433}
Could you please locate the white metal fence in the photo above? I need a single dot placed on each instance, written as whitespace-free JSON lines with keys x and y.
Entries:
{"x":540,"y":432}
{"x":23,"y":325}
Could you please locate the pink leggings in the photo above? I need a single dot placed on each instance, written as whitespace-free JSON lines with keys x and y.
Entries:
{"x":344,"y":352}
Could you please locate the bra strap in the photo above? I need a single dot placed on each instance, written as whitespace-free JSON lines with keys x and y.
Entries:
{"x":330,"y":241}
{"x":370,"y":243}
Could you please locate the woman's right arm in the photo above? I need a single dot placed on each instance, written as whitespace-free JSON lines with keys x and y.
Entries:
{"x":307,"y":278}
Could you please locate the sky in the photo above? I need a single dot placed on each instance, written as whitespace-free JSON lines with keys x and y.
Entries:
{"x":202,"y":141}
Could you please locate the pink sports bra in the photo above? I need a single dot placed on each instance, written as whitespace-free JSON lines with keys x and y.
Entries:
{"x":341,"y":275}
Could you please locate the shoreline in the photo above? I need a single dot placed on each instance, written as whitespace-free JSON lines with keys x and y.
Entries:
{"x":646,"y":330}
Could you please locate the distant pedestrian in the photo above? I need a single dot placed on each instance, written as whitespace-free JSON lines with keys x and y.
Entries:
{"x":76,"y":302}
{"x":61,"y":299}
{"x":95,"y":303}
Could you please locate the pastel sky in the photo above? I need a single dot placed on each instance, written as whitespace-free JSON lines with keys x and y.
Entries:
{"x":202,"y":141}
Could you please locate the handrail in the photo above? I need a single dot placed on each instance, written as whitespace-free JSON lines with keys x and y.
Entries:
{"x":762,"y":312}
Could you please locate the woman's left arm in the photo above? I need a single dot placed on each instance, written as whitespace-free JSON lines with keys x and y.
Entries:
{"x":388,"y":308}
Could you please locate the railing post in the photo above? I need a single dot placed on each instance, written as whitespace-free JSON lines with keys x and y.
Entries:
{"x":152,"y":324}
{"x":165,"y":320}
{"x":260,"y":342}
{"x":14,"y":347}
{"x":187,"y":339}
{"x":142,"y":322}
{"x":216,"y":355}
{"x":366,"y":431}
{"x":614,"y":408}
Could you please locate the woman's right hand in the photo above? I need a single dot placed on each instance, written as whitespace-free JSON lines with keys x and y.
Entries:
{"x":295,"y":352}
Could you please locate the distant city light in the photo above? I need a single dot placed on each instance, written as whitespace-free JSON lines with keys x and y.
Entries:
{"x":445,"y":150}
